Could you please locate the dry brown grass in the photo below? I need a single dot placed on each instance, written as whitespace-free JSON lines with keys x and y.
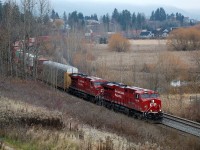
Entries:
{"x":141,"y":51}
{"x":73,"y":136}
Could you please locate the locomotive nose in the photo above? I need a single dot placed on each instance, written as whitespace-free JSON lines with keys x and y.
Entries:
{"x":154,"y":106}
{"x":153,"y":103}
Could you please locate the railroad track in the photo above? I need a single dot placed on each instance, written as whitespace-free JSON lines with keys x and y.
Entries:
{"x":181,"y":124}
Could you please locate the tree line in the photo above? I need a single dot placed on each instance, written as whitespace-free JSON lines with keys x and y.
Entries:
{"x":125,"y":19}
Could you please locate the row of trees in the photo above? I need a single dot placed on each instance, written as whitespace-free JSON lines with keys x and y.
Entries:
{"x":139,"y":21}
{"x":125,"y":20}
{"x":160,"y":15}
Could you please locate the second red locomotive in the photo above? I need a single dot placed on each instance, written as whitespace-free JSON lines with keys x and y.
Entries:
{"x":87,"y":87}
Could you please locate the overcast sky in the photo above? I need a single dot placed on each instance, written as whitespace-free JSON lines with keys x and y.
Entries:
{"x":182,"y":4}
{"x":190,"y":8}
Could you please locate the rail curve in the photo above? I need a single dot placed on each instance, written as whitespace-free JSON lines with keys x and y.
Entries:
{"x":181,"y":124}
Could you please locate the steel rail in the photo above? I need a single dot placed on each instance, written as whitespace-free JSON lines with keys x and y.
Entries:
{"x":181,"y":124}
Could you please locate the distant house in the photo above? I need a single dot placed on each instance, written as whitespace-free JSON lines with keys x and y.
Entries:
{"x":161,"y":32}
{"x":146,"y":34}
{"x":157,"y":33}
{"x":165,"y":33}
{"x":178,"y":83}
{"x":175,"y":83}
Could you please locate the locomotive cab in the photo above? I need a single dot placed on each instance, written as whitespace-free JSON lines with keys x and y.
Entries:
{"x":150,"y":104}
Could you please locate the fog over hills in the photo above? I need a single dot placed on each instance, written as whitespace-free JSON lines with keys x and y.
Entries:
{"x":100,"y":9}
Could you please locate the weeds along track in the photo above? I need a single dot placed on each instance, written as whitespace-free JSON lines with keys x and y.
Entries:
{"x":181,"y":124}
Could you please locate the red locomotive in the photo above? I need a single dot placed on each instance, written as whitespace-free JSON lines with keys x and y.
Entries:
{"x":141,"y":103}
{"x":85,"y":86}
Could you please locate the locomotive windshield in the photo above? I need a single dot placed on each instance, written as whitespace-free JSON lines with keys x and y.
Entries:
{"x":149,"y":95}
{"x":97,"y":83}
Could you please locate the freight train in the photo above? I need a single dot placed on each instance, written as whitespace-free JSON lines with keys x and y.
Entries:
{"x":133,"y":101}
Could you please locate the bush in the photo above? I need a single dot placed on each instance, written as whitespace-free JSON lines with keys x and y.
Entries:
{"x":184,"y":39}
{"x":118,"y":43}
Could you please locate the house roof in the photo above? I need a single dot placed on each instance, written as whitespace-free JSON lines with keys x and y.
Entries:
{"x":145,"y":33}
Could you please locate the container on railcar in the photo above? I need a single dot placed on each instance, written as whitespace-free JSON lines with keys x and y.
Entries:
{"x":57,"y":74}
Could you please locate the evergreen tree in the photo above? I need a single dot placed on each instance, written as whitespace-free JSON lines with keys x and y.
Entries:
{"x":140,"y":20}
{"x":1,"y":10}
{"x":95,"y":17}
{"x":73,"y":18}
{"x":163,"y":15}
{"x":152,"y":18}
{"x":81,"y":21}
{"x":80,"y":16}
{"x":53,"y":14}
{"x":126,"y":19}
{"x":106,"y":21}
{"x":134,"y":20}
{"x":76,"y":19}
{"x":92,"y":17}
{"x":158,"y":15}
{"x":179,"y":17}
{"x":57,"y":16}
{"x":115,"y":15}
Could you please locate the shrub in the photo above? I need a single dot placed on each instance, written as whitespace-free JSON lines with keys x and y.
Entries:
{"x":184,"y":39}
{"x":118,"y":43}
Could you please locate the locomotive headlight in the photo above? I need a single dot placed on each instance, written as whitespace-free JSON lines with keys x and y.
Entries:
{"x":152,"y":101}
